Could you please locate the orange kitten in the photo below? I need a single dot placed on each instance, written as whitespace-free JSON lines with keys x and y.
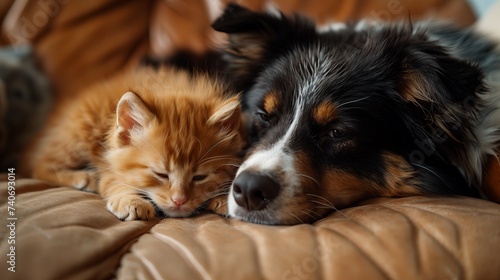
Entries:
{"x":156,"y":136}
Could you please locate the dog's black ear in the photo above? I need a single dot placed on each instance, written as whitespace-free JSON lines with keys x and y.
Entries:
{"x":256,"y":38}
{"x":430,"y":74}
{"x":441,"y":92}
{"x":440,"y":87}
{"x":238,"y":19}
{"x":249,"y":33}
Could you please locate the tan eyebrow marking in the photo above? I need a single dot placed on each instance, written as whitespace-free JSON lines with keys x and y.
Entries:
{"x":271,"y":102}
{"x":324,"y":113}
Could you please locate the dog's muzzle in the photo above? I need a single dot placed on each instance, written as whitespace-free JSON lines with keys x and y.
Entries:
{"x":254,"y":191}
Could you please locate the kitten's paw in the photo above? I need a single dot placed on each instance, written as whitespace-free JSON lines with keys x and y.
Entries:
{"x":89,"y":184}
{"x":130,"y":207}
{"x":218,"y":205}
{"x":82,"y":180}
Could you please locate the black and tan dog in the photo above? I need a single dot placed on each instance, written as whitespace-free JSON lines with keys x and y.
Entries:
{"x":352,"y":111}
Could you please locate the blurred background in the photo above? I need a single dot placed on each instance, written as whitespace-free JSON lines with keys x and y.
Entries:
{"x":52,"y":49}
{"x":481,"y":6}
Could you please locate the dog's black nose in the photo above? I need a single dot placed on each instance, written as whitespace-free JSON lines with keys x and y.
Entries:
{"x":253,"y":191}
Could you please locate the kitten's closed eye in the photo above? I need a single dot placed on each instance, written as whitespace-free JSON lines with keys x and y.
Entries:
{"x":161,"y":175}
{"x":198,"y":178}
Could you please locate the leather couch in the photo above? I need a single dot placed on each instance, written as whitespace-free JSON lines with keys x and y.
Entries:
{"x":62,"y":233}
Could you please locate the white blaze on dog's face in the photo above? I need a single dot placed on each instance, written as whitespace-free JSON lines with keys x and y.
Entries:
{"x":335,"y":116}
{"x":281,"y":179}
{"x":278,"y":161}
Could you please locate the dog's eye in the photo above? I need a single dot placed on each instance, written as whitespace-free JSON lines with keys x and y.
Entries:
{"x":161,"y":175}
{"x":336,"y":133}
{"x":264,"y":116}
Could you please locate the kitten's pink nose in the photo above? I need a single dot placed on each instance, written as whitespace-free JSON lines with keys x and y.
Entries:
{"x":179,"y":199}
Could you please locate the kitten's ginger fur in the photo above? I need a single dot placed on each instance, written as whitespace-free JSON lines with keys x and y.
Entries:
{"x":152,"y":135}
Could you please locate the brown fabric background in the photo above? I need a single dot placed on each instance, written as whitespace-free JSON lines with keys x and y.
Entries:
{"x":79,"y":42}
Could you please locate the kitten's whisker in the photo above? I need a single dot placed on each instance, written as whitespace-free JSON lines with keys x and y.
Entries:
{"x":227,"y":164}
{"x":216,"y":158}
{"x":103,"y":145}
{"x":225,"y":202}
{"x":213,"y":146}
{"x":140,"y":191}
{"x":212,"y":197}
{"x":201,"y":146}
{"x":222,"y":188}
{"x":163,"y":156}
{"x":217,"y":193}
{"x":111,"y":170}
{"x":228,"y":157}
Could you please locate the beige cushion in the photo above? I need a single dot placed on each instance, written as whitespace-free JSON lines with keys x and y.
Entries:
{"x":65,"y":233}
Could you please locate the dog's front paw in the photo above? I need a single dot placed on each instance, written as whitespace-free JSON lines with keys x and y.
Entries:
{"x":130,"y":207}
{"x":218,"y":205}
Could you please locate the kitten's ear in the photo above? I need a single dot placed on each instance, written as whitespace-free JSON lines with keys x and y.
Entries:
{"x":256,"y":38}
{"x":227,"y":115}
{"x":132,"y":116}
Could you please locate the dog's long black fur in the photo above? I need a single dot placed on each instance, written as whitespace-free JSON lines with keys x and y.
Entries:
{"x":354,"y":111}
